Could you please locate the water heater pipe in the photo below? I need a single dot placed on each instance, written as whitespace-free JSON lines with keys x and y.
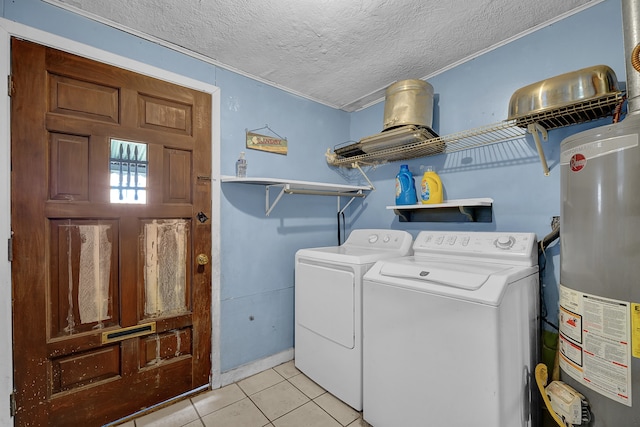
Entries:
{"x":631,"y":36}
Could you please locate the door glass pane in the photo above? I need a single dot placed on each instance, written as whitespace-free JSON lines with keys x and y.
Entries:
{"x":128,"y":168}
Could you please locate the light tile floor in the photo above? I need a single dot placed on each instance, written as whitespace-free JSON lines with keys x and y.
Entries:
{"x":278,"y":397}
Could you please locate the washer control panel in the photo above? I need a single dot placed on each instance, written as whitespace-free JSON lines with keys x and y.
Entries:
{"x":490,"y":245}
{"x":379,"y":239}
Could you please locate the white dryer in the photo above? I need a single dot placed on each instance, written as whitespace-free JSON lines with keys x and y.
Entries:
{"x":328,"y":308}
{"x":451,"y":333}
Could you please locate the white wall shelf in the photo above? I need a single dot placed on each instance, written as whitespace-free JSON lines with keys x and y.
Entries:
{"x":288,"y":186}
{"x":458,"y":210}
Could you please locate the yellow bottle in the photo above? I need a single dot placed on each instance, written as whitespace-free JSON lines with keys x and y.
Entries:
{"x":431,"y":190}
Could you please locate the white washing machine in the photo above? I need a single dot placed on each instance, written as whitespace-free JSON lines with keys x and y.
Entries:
{"x":451,"y":333}
{"x":328,"y":308}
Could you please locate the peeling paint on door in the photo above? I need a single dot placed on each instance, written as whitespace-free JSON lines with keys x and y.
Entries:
{"x":178,"y":343}
{"x":95,"y":267}
{"x":158,"y":348}
{"x":165,"y":246}
{"x":70,"y":321}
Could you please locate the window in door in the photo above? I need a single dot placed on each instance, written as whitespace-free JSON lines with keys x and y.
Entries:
{"x":128,"y":172}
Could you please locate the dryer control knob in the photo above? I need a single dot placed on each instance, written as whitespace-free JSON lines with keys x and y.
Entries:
{"x":504,"y":242}
{"x":373,"y":238}
{"x":386,"y":239}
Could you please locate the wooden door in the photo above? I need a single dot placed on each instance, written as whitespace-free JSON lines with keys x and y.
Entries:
{"x":110,"y":204}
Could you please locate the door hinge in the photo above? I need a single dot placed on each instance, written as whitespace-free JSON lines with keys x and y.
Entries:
{"x":12,"y":404}
{"x":10,"y":249}
{"x":11,"y":88}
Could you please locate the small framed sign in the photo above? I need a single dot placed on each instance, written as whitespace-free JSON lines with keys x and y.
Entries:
{"x":256,"y":141}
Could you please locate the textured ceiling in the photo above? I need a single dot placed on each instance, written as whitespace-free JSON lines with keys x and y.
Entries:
{"x":342,"y":53}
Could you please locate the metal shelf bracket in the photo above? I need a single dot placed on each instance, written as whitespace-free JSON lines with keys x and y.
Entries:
{"x":286,"y":189}
{"x":357,"y":166}
{"x":268,"y":205}
{"x":536,"y":130}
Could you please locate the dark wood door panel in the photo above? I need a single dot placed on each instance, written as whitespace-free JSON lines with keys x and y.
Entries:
{"x":119,"y":397}
{"x":110,"y":306}
{"x":59,"y":210}
{"x":80,"y":98}
{"x":83,"y":289}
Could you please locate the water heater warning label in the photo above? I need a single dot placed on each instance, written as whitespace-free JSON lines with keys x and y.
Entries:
{"x":635,"y":329}
{"x":595,"y":341}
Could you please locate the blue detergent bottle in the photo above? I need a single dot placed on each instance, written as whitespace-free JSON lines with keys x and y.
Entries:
{"x":405,"y":187}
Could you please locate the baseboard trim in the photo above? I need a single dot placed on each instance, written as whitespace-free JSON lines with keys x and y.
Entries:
{"x":252,"y":368}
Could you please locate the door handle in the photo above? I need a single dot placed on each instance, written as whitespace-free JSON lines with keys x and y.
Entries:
{"x":202,"y":259}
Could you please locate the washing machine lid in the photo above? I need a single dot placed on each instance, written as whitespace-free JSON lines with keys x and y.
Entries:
{"x":468,"y":276}
{"x":347,"y":254}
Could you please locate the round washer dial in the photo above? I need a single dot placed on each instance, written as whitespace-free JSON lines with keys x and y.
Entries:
{"x":505,"y":242}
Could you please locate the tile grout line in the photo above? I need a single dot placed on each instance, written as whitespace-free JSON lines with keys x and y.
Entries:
{"x":272,"y":385}
{"x":314,"y":399}
{"x":225,"y":406}
{"x":270,"y":422}
{"x":311,"y":400}
{"x":232,"y":403}
{"x":287,"y":380}
{"x":258,"y":408}
{"x":197,"y":413}
{"x":329,"y":413}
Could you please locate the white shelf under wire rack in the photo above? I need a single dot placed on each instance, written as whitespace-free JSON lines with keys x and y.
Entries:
{"x":288,"y":186}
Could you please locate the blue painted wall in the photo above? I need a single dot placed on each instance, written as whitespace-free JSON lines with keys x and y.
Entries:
{"x":257,"y":251}
{"x":477,"y":94}
{"x":257,"y":268}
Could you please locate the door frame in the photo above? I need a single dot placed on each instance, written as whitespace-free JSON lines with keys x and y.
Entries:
{"x":9,"y":29}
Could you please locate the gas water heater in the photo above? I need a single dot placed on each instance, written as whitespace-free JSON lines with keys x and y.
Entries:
{"x":600,"y":270}
{"x":600,"y":256}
